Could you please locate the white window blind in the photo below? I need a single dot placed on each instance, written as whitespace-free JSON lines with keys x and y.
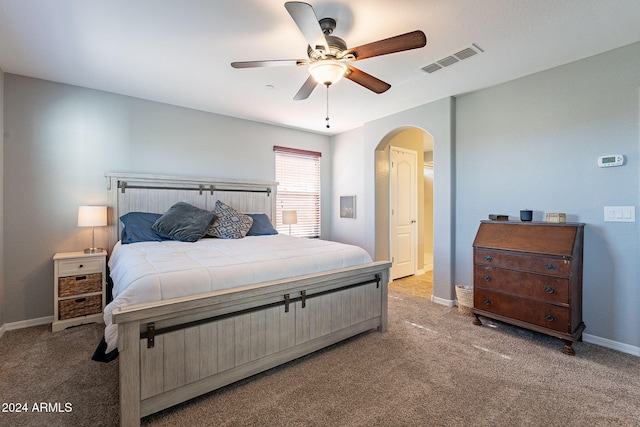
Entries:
{"x":298,"y":177}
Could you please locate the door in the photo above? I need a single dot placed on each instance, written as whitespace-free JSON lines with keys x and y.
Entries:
{"x":403,"y":214}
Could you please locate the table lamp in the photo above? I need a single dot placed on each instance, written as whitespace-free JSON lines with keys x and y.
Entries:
{"x":92,"y":216}
{"x":289,"y":217}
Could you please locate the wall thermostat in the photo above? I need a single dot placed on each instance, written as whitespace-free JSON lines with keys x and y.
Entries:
{"x":610,"y":160}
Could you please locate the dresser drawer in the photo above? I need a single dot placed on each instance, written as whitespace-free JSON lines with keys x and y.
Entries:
{"x":548,"y":288}
{"x":70,"y":308}
{"x":553,"y":266}
{"x":78,"y":285}
{"x":531,"y":311}
{"x":72,"y":267}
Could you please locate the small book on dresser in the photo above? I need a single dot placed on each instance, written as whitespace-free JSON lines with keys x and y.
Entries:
{"x":496,"y":217}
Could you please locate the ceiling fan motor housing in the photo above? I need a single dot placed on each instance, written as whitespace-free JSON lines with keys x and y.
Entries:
{"x":336,"y":47}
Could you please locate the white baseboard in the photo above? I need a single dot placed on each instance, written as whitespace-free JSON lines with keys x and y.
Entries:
{"x":614,"y":345}
{"x":442,"y":301}
{"x":26,"y":323}
{"x":3,"y":329}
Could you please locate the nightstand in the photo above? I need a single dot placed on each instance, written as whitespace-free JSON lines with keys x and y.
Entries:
{"x":79,"y":283}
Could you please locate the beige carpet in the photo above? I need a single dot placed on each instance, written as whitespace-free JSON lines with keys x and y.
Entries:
{"x":433,"y":367}
{"x":418,"y":285}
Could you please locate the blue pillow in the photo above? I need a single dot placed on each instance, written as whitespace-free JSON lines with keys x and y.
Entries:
{"x":138,"y":228}
{"x":261,"y":226}
{"x":184,"y":222}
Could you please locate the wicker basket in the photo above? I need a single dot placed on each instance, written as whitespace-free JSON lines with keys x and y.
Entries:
{"x":464,"y":294}
{"x":70,"y":308}
{"x":78,"y":285}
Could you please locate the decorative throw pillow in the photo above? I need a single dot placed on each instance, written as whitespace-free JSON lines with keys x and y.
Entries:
{"x":138,"y":228}
{"x":229,"y":223}
{"x":261,"y":225}
{"x":184,"y":222}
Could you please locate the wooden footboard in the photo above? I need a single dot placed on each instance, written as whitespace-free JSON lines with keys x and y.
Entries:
{"x":178,"y":349}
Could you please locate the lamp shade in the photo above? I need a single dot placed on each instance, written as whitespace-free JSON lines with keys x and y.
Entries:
{"x":327,"y":71}
{"x":92,"y":216}
{"x":289,"y":217}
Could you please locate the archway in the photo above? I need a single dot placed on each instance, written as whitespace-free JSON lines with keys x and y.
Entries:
{"x":438,"y":119}
{"x":420,"y":141}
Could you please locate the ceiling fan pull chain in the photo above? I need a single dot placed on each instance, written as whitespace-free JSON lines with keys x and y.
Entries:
{"x":327,"y":119}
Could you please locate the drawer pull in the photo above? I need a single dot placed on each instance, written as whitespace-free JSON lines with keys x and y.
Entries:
{"x":550,"y":267}
{"x":549,"y":289}
{"x":488,"y":258}
{"x":78,"y":278}
{"x":487,"y":301}
{"x":549,"y":317}
{"x":80,"y":300}
{"x":487,"y":278}
{"x":81,"y":265}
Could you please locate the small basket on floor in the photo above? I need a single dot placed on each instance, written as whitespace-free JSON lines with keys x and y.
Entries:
{"x":464,"y":295}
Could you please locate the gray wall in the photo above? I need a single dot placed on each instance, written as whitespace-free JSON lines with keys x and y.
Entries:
{"x":348,"y":180}
{"x":438,"y":120}
{"x":59,"y":141}
{"x":533,"y":143}
{"x":530,"y":143}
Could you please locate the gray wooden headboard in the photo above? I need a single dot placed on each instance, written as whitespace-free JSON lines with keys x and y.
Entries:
{"x":156,"y":193}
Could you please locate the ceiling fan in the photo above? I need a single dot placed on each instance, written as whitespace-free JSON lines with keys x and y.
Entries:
{"x":329,"y":58}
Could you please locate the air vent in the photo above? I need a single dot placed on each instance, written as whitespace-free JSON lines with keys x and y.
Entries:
{"x":449,"y":60}
{"x":465,"y":53}
{"x":432,"y":68}
{"x":452,"y":59}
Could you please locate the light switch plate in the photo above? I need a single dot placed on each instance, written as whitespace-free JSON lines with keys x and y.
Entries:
{"x":620,"y":213}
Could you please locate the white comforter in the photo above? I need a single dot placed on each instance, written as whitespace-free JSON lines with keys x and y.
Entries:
{"x":153,"y":271}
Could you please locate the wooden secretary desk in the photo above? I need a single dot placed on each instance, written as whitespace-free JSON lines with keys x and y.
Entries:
{"x":529,"y":274}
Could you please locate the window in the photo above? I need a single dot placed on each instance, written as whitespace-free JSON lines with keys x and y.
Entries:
{"x":298,"y":177}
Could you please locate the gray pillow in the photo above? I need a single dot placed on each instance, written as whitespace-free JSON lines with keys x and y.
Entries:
{"x":229,"y":223}
{"x":184,"y":222}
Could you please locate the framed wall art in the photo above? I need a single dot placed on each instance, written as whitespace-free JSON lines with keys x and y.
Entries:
{"x":347,"y":206}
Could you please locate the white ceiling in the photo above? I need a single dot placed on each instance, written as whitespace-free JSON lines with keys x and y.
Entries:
{"x":179,"y":51}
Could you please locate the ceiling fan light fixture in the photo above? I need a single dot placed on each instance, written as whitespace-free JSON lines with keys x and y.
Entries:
{"x":327,"y":71}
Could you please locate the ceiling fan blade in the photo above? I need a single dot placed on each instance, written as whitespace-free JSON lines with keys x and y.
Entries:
{"x":367,"y":80}
{"x":408,"y":41}
{"x":269,"y":63}
{"x":306,"y":20}
{"x":306,"y":89}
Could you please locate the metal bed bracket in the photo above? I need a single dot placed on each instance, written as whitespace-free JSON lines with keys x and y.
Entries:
{"x":204,"y":188}
{"x":287,"y":300}
{"x":303,"y":298}
{"x":377,"y":280}
{"x":151,"y":335}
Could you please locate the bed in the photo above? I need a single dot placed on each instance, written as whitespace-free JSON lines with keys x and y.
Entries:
{"x":258,"y":308}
